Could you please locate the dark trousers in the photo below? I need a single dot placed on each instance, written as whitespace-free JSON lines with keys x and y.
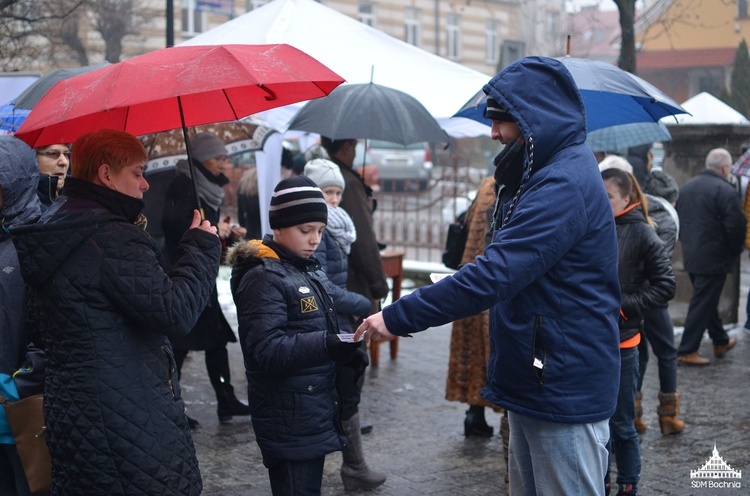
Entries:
{"x":350,"y":390}
{"x":659,"y":332}
{"x":217,"y":366}
{"x":703,"y":313}
{"x":623,"y":442}
{"x":12,"y":478}
{"x":303,"y":478}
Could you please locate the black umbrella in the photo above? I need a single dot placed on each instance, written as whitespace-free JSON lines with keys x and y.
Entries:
{"x":41,"y":86}
{"x":13,"y":114}
{"x":369,"y":111}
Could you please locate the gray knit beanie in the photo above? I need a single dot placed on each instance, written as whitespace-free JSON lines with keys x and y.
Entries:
{"x":324,"y":173}
{"x":205,"y":146}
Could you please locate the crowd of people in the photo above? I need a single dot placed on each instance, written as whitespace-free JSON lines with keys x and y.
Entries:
{"x":565,"y":280}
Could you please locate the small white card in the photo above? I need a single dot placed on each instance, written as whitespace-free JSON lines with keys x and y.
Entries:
{"x":347,"y":338}
{"x":438,"y":276}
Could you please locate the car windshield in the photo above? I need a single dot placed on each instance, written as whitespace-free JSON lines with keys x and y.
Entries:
{"x":387,"y":145}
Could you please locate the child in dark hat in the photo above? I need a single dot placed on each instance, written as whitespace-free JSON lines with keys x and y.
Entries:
{"x":289,"y":336}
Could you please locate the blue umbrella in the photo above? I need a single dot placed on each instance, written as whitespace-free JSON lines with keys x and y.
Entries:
{"x":611,"y":96}
{"x":11,"y":117}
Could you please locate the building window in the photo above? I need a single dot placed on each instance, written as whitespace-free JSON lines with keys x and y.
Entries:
{"x":552,"y":25}
{"x":453,"y":33}
{"x":741,"y":9}
{"x":412,"y":31}
{"x":193,"y":20}
{"x":491,"y":50}
{"x":366,"y":13}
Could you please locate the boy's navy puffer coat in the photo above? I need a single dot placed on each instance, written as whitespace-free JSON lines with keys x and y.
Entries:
{"x":550,"y":273}
{"x":285,"y":311}
{"x":115,"y":420}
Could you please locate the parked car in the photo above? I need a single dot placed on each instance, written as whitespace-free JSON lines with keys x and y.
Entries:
{"x":401,"y":168}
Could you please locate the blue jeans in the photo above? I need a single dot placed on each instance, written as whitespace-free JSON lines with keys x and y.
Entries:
{"x":297,"y":478}
{"x":624,"y":442}
{"x":556,"y":459}
{"x":659,"y":333}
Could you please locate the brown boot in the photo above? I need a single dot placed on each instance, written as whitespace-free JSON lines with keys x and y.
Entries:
{"x":721,"y":350}
{"x":693,"y":359}
{"x":640,"y":426}
{"x":669,"y":408}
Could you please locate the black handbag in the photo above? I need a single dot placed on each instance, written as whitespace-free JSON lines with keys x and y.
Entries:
{"x":455,"y":242}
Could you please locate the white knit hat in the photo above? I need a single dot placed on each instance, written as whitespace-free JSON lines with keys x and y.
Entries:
{"x":324,"y":173}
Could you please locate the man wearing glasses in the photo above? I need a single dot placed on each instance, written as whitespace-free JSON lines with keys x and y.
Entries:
{"x":54,"y":162}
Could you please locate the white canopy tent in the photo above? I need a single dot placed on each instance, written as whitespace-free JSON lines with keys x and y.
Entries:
{"x":358,"y":53}
{"x":705,"y":108}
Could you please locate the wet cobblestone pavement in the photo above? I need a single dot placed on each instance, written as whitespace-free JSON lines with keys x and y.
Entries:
{"x":418,"y":436}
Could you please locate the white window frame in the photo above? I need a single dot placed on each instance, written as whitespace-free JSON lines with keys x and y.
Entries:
{"x":492,"y":48}
{"x":453,"y":36}
{"x":413,"y":26}
{"x":366,"y":13}
{"x":193,"y":20}
{"x":254,"y":4}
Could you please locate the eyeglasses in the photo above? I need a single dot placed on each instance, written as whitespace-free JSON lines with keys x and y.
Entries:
{"x":54,"y":154}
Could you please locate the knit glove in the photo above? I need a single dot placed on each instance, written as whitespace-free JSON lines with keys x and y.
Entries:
{"x":338,"y":351}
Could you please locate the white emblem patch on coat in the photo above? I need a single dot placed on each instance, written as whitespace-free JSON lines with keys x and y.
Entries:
{"x":304,"y":289}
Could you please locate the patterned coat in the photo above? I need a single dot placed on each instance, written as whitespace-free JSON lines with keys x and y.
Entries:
{"x":470,"y":338}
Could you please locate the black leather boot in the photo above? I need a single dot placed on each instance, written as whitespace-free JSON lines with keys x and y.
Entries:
{"x":475,"y":423}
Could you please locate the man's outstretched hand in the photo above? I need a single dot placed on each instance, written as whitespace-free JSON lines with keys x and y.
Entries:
{"x":373,"y":328}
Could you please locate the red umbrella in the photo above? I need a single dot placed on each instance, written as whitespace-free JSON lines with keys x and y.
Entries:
{"x":177,"y":87}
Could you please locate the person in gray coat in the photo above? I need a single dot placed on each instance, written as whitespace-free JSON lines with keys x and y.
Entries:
{"x":18,"y":206}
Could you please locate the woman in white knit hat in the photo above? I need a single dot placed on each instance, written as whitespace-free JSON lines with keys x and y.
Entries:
{"x":333,"y":253}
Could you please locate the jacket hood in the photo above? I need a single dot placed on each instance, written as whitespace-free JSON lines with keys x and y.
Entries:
{"x":545,"y":103}
{"x":19,"y":173}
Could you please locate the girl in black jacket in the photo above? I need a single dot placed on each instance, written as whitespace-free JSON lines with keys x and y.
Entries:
{"x":646,"y":281}
{"x":289,"y":336}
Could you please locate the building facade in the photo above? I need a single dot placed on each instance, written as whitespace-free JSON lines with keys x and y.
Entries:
{"x":688,"y":46}
{"x":484,"y":35}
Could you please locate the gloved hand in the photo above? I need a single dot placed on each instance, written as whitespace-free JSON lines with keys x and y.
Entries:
{"x":359,"y":362}
{"x":338,"y":351}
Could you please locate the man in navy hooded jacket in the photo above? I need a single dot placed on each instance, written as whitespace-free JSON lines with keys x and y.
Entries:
{"x":550,"y":278}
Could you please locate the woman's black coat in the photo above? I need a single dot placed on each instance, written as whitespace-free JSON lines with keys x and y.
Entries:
{"x":106,"y":309}
{"x":645,"y":272}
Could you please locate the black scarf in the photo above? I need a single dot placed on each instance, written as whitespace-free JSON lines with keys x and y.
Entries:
{"x":114,"y":201}
{"x":509,"y":170}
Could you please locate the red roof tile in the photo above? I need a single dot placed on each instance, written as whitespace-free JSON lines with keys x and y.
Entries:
{"x":672,"y":59}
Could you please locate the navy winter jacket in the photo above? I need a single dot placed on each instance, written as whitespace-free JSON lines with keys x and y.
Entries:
{"x":550,"y":273}
{"x":335,"y":263}
{"x":106,"y":309}
{"x":284,"y":312}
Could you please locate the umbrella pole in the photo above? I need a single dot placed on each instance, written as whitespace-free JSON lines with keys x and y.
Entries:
{"x":190,"y":160}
